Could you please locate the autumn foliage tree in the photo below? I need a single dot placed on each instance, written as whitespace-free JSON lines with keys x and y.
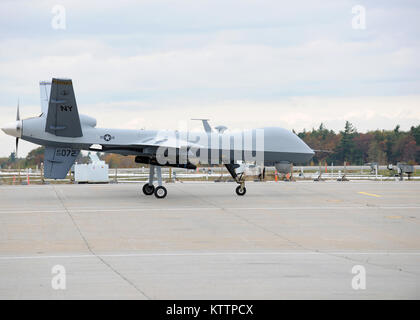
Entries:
{"x":381,"y":146}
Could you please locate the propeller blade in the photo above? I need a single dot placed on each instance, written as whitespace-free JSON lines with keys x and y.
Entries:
{"x":17,"y":147}
{"x":17,"y":113}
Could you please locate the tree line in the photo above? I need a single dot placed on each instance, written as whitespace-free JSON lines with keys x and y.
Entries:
{"x":355,"y":148}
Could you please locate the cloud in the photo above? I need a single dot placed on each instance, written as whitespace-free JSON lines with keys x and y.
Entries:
{"x":244,"y":64}
{"x":327,"y":65}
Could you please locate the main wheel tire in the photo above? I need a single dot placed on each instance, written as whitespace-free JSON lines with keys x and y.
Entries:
{"x":240,"y":191}
{"x":148,"y":189}
{"x":160,"y":192}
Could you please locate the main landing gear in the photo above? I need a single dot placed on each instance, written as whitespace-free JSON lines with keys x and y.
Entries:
{"x":148,"y":189}
{"x":239,"y":179}
{"x":160,"y":191}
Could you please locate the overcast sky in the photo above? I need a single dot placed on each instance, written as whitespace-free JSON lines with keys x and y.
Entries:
{"x":157,"y":64}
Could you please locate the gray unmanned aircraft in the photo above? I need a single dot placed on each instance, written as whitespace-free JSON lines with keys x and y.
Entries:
{"x":64,"y":133}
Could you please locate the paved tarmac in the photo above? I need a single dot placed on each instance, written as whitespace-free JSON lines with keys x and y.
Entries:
{"x":280,"y":241}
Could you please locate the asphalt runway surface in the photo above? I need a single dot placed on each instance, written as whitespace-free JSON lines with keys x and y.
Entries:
{"x":302,"y":240}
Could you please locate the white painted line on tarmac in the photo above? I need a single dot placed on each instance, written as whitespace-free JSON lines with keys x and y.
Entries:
{"x":199,"y":254}
{"x":122,"y":209}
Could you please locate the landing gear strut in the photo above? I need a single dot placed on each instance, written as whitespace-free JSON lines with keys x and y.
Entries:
{"x":149,"y":189}
{"x":239,"y":179}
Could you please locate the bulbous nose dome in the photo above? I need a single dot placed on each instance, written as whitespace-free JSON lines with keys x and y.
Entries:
{"x":281,"y":140}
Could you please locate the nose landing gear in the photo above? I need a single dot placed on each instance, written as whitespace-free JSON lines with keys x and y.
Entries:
{"x":239,"y":179}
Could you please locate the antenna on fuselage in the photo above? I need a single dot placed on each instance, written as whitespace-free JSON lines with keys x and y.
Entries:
{"x":206,"y":125}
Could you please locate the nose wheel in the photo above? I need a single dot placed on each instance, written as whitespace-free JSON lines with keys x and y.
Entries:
{"x":240,"y":190}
